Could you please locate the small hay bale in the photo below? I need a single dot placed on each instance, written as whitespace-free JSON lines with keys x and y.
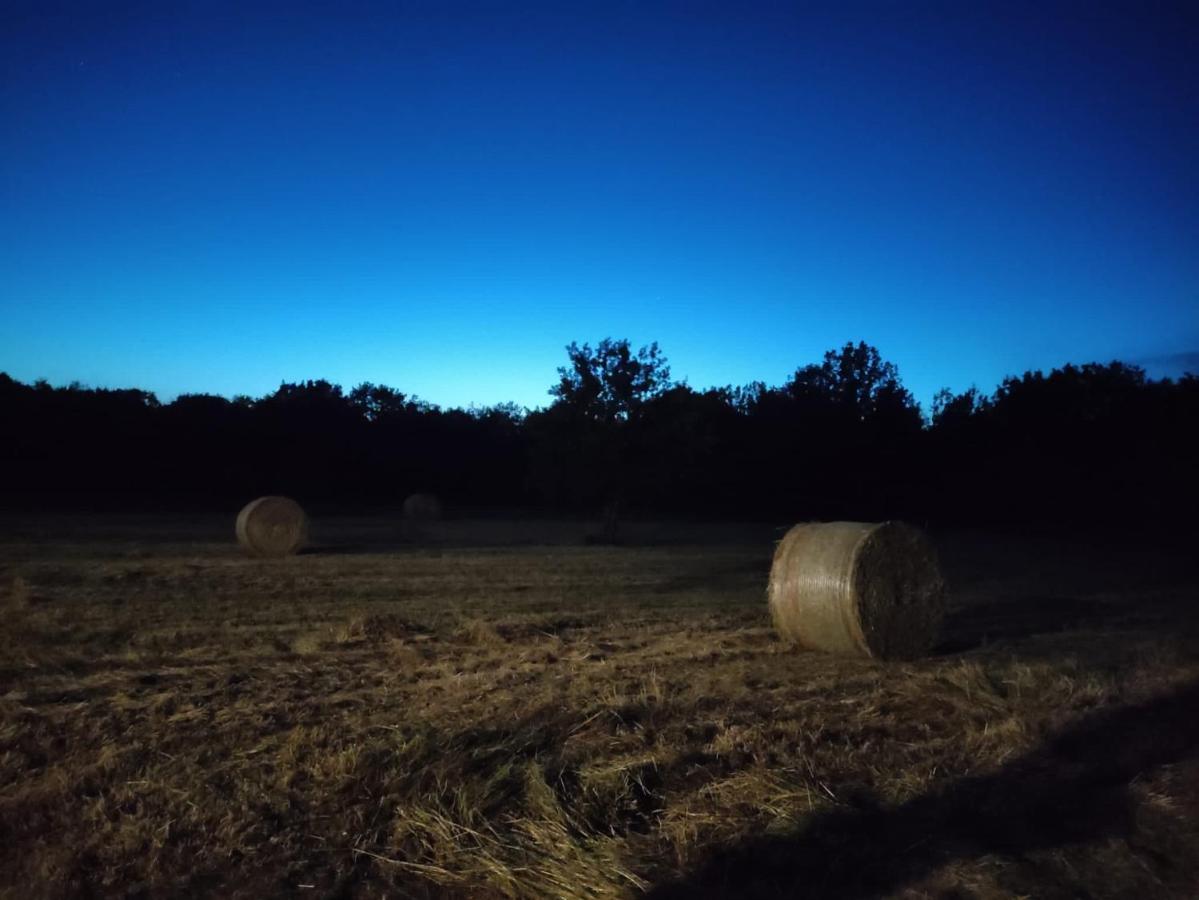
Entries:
{"x":272,"y":526}
{"x":859,"y":588}
{"x":422,"y":508}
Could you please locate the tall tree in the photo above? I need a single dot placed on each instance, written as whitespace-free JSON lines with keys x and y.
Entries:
{"x":604,"y":391}
{"x":856,"y":379}
{"x":611,"y":383}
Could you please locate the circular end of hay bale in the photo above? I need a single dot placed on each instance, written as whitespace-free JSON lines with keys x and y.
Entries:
{"x":866,"y":589}
{"x":422,"y":508}
{"x":272,"y":527}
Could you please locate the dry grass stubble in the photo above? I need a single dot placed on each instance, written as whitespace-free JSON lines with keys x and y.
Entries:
{"x":579,"y":722}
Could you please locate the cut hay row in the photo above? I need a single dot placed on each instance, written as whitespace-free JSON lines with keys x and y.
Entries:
{"x":865,"y":589}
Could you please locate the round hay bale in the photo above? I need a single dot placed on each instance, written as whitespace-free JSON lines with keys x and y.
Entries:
{"x":422,"y":508}
{"x":866,"y":589}
{"x":272,"y":526}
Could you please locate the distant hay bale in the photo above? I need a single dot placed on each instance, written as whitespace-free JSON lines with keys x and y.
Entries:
{"x":422,"y":508}
{"x":867,"y":589}
{"x":272,"y":526}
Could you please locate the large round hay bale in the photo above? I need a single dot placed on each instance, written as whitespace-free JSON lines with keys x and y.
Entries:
{"x":422,"y":508}
{"x":272,"y":526}
{"x":852,"y":587}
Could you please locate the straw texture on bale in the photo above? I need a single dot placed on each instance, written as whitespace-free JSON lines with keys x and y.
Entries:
{"x":858,"y":588}
{"x":272,"y":526}
{"x":422,"y":508}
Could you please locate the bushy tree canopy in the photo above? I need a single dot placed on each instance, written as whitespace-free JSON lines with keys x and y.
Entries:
{"x":856,"y":379}
{"x":611,"y":383}
{"x":842,"y":438}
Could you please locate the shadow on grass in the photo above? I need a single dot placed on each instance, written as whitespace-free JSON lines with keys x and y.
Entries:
{"x":1013,"y":619}
{"x":340,"y":549}
{"x":1074,"y":789}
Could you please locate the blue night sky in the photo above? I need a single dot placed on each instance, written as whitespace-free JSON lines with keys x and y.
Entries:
{"x":439,"y":197}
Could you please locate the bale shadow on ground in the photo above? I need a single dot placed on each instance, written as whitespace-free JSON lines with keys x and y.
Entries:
{"x":337,"y":550}
{"x":1016,"y":618}
{"x":1073,"y":789}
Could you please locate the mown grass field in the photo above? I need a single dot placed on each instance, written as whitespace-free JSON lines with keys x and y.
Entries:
{"x":496,"y":709}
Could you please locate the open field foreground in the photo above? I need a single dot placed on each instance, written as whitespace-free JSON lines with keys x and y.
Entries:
{"x":469,"y":712}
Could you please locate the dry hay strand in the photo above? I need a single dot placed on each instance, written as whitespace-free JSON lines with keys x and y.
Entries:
{"x":422,"y":508}
{"x":272,"y":527}
{"x":858,"y":588}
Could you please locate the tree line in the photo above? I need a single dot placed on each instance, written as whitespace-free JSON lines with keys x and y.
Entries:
{"x":842,"y":438}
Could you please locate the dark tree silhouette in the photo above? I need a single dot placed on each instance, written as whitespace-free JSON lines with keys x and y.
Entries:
{"x":1095,"y":446}
{"x":611,"y":383}
{"x":604,"y":393}
{"x":858,"y":381}
{"x":844,"y":433}
{"x":378,"y":402}
{"x":950,"y":409}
